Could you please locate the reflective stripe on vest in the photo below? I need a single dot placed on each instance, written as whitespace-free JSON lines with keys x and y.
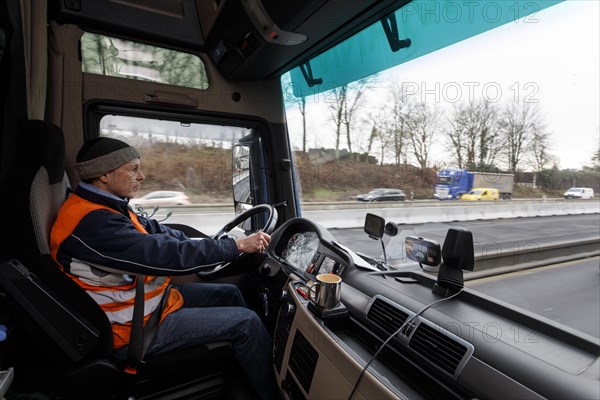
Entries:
{"x":113,"y":292}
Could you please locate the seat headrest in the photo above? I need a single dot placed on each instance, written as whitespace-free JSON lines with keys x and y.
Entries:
{"x":41,"y":143}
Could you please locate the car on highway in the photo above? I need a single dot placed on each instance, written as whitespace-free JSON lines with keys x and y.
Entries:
{"x":579,"y":193}
{"x":478,"y":194}
{"x":382,"y":194}
{"x":161,"y":198}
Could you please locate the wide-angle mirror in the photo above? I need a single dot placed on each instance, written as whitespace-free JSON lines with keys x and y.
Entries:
{"x":241,"y":176}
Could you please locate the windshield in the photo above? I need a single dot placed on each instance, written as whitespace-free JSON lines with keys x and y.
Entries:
{"x":406,"y":35}
{"x":518,"y":101}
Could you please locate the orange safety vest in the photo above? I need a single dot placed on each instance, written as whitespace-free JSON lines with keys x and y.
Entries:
{"x":116,"y":300}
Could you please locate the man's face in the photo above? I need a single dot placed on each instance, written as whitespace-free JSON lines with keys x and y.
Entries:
{"x":126,"y":180}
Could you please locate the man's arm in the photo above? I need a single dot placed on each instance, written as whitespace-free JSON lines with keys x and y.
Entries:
{"x":109,"y":239}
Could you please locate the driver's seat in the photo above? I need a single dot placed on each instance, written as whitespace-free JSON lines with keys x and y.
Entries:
{"x":63,"y":340}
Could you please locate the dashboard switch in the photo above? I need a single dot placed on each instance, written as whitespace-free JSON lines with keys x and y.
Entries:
{"x":302,"y":292}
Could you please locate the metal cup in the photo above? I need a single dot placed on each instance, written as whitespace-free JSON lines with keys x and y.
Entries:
{"x":325,"y":292}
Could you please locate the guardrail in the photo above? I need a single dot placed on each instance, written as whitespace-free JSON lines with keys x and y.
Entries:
{"x":351,"y":204}
{"x":354,"y":218}
{"x":339,"y":215}
{"x":534,"y":257}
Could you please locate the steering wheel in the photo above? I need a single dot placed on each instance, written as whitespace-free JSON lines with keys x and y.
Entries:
{"x":268,"y":227}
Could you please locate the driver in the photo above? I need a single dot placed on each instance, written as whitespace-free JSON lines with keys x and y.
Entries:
{"x":102,"y":244}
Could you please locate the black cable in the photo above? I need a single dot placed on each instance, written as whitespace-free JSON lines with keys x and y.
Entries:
{"x":408,"y":321}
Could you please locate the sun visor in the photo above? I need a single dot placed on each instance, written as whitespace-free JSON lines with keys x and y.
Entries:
{"x":262,"y":39}
{"x":419,"y":28}
{"x":168,"y":22}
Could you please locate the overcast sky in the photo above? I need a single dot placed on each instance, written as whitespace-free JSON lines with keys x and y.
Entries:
{"x":553,"y":59}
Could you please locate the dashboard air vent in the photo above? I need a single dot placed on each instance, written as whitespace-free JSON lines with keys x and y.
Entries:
{"x":282,"y":332}
{"x":303,"y":361}
{"x":439,"y":349}
{"x":386,"y":316}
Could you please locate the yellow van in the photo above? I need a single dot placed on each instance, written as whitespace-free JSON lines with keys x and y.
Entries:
{"x":481,"y":194}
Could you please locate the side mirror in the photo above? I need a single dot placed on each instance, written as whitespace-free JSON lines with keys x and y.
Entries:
{"x":241,"y":172}
{"x":241,"y":175}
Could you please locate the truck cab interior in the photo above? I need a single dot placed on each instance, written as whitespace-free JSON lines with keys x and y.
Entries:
{"x":395,"y":334}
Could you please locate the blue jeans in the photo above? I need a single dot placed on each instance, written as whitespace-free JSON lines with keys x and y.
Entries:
{"x":213,"y":312}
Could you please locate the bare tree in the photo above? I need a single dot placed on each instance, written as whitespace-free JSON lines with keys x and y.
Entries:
{"x":489,"y":135}
{"x":423,"y":125}
{"x":336,"y":108}
{"x":398,"y":124}
{"x":473,"y":134}
{"x":299,"y":101}
{"x":456,"y":137}
{"x":596,"y":159}
{"x":378,"y":134}
{"x":596,"y":154}
{"x":539,"y":150}
{"x":391,"y":121}
{"x":518,"y":123}
{"x":347,"y":101}
{"x":353,"y":104}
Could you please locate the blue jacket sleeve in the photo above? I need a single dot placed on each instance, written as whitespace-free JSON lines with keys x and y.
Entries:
{"x":153,"y":226}
{"x":109,"y":239}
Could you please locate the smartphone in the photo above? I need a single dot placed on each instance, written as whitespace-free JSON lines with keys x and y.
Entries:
{"x":423,"y":251}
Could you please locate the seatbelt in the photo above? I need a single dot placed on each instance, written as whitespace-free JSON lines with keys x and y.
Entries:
{"x":141,"y":337}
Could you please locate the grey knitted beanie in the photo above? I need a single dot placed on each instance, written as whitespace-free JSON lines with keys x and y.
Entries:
{"x":101,"y":155}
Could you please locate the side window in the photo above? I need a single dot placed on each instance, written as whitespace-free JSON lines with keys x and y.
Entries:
{"x":192,"y":158}
{"x":110,"y":56}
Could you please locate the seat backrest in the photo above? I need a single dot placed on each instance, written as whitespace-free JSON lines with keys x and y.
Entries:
{"x":50,"y":185}
{"x":38,"y":185}
{"x":69,"y":328}
{"x":35,"y":188}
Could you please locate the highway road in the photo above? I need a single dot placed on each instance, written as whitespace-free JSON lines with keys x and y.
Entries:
{"x":564,"y":292}
{"x":568,"y":293}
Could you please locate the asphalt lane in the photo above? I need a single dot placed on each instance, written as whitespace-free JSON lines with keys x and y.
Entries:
{"x":568,"y":293}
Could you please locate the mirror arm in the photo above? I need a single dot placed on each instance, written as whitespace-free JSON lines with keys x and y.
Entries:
{"x":384,"y":254}
{"x":390,"y":28}
{"x":306,"y":70}
{"x":280,"y":204}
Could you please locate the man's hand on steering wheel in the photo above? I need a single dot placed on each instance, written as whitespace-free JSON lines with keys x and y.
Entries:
{"x":255,"y":243}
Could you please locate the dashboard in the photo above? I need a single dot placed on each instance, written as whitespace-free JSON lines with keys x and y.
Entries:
{"x":306,"y":249}
{"x":466,"y":347}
